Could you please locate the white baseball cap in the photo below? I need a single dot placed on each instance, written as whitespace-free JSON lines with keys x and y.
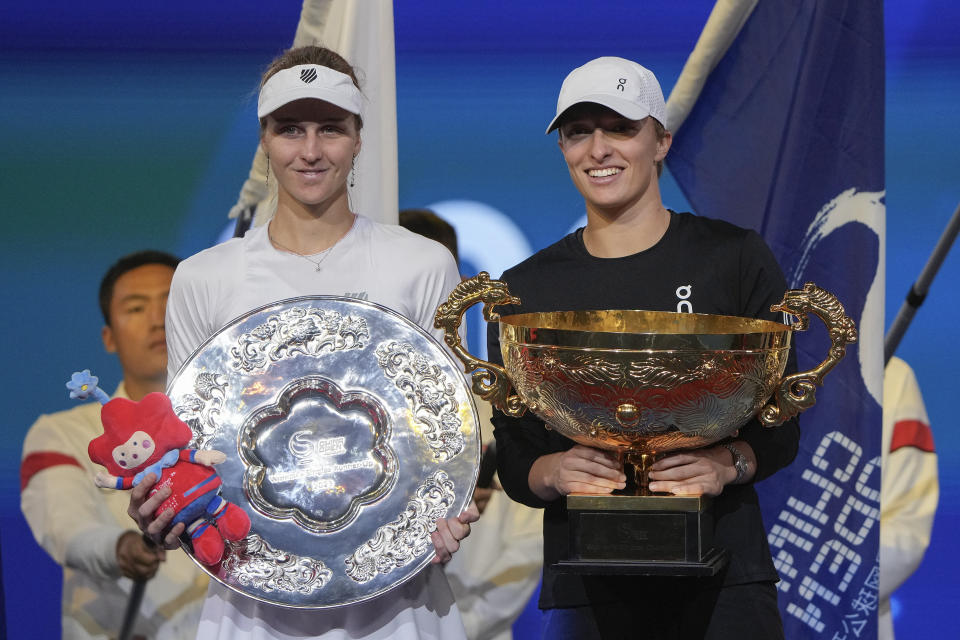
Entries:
{"x":309,"y":81}
{"x":616,"y":83}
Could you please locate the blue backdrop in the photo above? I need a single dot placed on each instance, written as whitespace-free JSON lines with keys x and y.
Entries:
{"x":128,"y":125}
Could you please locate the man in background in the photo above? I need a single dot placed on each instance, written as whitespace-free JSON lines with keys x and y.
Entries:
{"x":85,"y":529}
{"x":909,"y":490}
{"x":498,"y":566}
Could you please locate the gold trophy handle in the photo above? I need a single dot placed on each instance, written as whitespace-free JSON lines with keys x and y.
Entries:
{"x":490,"y":382}
{"x":797,"y":392}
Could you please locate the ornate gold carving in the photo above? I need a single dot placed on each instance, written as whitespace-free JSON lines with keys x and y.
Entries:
{"x":627,"y":414}
{"x":490,"y":382}
{"x":647,"y":382}
{"x":797,"y":392}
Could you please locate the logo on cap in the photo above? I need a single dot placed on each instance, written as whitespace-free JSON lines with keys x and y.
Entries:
{"x":308,"y":75}
{"x":621,"y":84}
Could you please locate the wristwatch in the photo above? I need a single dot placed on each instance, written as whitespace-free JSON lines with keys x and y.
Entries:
{"x":739,"y":461}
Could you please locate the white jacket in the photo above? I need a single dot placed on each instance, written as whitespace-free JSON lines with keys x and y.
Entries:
{"x":909,"y":491}
{"x":79,"y":524}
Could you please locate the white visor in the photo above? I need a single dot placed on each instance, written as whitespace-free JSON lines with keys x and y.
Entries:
{"x":309,"y":81}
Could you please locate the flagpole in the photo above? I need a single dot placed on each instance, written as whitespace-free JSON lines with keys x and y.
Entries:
{"x":135,"y":600}
{"x":133,"y":607}
{"x":918,"y":292}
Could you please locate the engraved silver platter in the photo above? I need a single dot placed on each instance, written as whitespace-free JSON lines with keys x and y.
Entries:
{"x":348,"y":431}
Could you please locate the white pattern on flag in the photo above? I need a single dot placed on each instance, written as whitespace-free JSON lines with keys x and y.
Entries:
{"x":781,"y":107}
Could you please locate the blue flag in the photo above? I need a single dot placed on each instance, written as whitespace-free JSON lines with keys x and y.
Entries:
{"x":778,"y":126}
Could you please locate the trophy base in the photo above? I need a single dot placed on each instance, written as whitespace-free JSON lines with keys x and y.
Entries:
{"x":713,"y":562}
{"x":642,"y":535}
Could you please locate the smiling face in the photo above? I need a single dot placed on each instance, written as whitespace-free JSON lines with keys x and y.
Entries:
{"x":612,"y":160}
{"x":135,"y":451}
{"x":311,"y":145}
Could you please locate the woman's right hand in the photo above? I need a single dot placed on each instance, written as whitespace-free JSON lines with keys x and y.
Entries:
{"x":579,"y":469}
{"x":142,"y":508}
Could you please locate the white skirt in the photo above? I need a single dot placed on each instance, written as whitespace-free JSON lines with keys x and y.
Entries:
{"x":421,"y":609}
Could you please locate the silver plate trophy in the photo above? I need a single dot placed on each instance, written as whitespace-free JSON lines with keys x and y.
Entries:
{"x":348,"y":431}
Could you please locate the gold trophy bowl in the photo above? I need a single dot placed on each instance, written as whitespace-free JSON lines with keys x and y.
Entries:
{"x":645,"y":383}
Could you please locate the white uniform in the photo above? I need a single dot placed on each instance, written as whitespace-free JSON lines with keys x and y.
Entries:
{"x":384,"y":264}
{"x":79,"y":524}
{"x":909,"y":490}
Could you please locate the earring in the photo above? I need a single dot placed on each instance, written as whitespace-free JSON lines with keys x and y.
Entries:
{"x":266,"y":180}
{"x":353,"y":171}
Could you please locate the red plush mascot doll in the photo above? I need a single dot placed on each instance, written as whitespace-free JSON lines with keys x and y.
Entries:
{"x":148,"y":437}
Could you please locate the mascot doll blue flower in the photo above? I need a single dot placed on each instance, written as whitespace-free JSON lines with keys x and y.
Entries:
{"x":147,"y":437}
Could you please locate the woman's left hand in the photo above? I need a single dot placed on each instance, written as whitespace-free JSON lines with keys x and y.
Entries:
{"x":450,"y":531}
{"x":693,"y":473}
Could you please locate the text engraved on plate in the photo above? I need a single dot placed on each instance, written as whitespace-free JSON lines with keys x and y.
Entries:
{"x":401,"y":541}
{"x":254,"y":563}
{"x":305,"y":330}
{"x":336,"y":460}
{"x":430,"y":396}
{"x":201,"y":409}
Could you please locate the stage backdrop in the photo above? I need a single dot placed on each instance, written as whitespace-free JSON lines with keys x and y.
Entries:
{"x":128,"y":126}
